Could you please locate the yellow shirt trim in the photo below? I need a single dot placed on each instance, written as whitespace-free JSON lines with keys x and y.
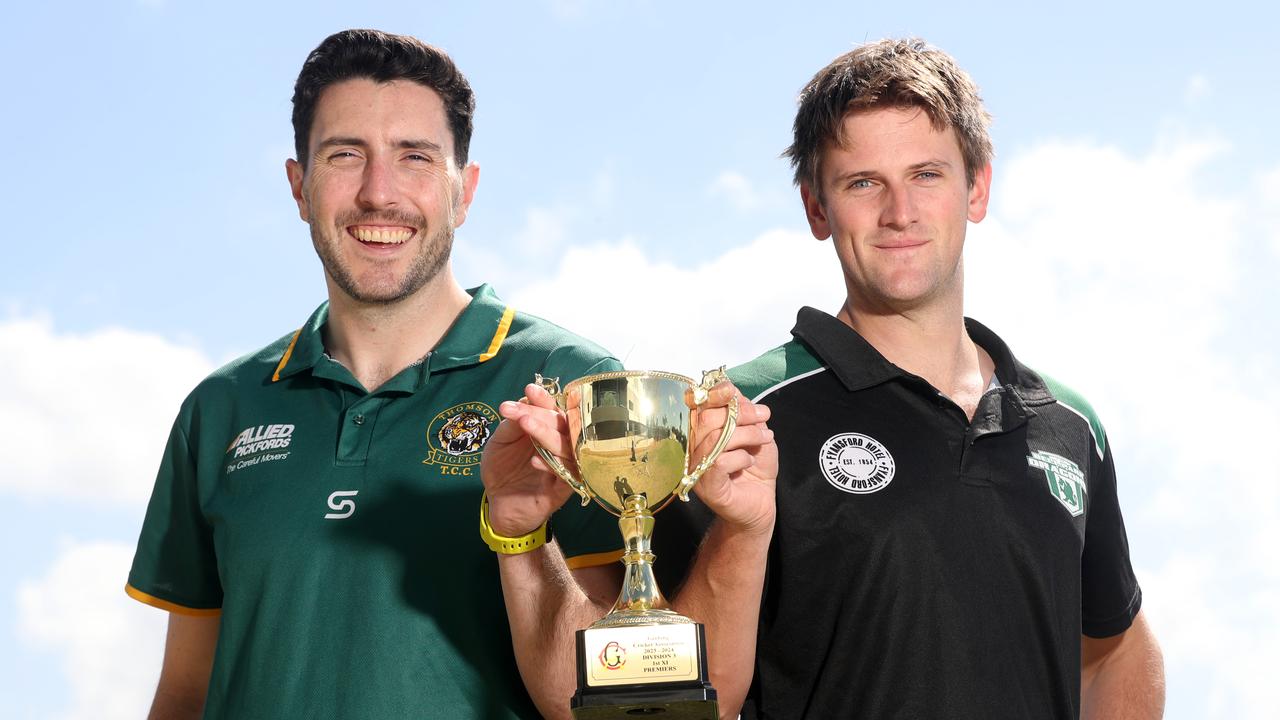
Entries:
{"x":288,"y":352}
{"x":578,"y":562}
{"x":503,"y":327}
{"x":154,"y":601}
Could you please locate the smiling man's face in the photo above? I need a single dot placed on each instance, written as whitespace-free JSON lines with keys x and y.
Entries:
{"x":381,"y":189}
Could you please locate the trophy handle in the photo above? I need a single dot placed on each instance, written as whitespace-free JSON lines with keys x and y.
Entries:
{"x":700,"y":395}
{"x":552,"y":386}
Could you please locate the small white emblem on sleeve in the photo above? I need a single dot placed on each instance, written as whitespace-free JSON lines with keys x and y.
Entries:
{"x":856,"y":463}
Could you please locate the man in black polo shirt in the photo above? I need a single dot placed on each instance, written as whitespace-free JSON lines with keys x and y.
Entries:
{"x":948,"y":540}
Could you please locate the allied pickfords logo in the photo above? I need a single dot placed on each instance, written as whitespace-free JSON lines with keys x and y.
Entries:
{"x":856,"y":463}
{"x":456,"y":436}
{"x":1066,"y":481}
{"x":259,"y":444}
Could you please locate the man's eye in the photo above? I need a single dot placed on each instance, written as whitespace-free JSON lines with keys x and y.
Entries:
{"x":860,"y":184}
{"x":929,"y":175}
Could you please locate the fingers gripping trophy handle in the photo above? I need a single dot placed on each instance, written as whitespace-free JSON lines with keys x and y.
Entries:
{"x":559,"y":469}
{"x":700,"y":394}
{"x":552,"y":386}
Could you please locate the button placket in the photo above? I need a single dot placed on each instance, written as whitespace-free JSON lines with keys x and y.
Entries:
{"x":355,"y":436}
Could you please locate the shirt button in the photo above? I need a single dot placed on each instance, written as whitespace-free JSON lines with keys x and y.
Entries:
{"x":359,"y":420}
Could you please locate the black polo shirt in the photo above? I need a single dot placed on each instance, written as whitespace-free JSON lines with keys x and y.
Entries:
{"x":926,"y":566}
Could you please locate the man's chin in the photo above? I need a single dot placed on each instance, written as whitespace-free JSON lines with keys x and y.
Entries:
{"x":383,"y":291}
{"x":379,"y":296}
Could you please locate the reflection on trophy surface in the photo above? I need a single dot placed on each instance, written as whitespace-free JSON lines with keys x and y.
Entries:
{"x":632,"y":435}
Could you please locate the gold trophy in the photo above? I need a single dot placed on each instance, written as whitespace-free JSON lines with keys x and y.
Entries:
{"x":632,"y":433}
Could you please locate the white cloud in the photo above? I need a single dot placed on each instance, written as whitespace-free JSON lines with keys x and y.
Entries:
{"x":658,"y":316}
{"x":86,"y":416}
{"x":110,"y":645}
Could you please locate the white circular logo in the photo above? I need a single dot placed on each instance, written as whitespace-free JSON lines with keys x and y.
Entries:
{"x":856,"y":463}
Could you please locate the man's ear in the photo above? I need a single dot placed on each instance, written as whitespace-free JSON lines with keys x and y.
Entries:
{"x":470,"y":179}
{"x":814,"y":211}
{"x":294,"y":170}
{"x":979,"y":194}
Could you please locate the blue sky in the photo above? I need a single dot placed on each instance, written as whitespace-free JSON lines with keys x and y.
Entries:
{"x":1131,"y":250}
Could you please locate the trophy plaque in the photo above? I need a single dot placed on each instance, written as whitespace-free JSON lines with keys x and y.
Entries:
{"x":632,"y":433}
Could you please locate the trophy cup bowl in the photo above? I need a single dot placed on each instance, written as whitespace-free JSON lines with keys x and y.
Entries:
{"x":632,"y":435}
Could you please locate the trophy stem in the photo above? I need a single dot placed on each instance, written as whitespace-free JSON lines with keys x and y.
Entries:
{"x":640,"y":601}
{"x":639,"y":588}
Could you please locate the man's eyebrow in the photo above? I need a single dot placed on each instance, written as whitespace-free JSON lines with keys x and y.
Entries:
{"x":337,"y":141}
{"x":940,"y":164}
{"x":414,"y":144}
{"x":422,"y":144}
{"x":855,"y":175}
{"x":852,"y":175}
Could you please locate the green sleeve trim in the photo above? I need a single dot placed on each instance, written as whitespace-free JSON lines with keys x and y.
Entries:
{"x":776,"y":367}
{"x":1075,"y":402}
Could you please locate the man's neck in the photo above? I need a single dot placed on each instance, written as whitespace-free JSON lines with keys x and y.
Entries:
{"x":376,"y":342}
{"x":932,"y":344}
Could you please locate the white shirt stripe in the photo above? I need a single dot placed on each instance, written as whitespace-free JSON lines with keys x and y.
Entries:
{"x":786,"y":382}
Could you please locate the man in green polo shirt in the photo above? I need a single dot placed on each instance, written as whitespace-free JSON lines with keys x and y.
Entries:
{"x":313,"y":526}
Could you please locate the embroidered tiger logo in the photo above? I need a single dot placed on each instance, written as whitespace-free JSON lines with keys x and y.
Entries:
{"x":464,"y":433}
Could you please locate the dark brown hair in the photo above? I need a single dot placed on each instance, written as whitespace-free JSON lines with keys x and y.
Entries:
{"x":888,"y":73}
{"x":382,"y":57}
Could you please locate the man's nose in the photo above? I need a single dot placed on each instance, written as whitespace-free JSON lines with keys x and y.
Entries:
{"x":899,"y":209}
{"x":377,"y":186}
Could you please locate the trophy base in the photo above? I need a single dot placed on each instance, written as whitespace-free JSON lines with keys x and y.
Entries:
{"x":663,"y":704}
{"x":642,"y":670}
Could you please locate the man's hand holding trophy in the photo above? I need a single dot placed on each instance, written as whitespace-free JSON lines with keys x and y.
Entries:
{"x":635,"y":441}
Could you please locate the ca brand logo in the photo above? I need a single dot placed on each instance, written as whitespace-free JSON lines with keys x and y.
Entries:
{"x":613,"y":656}
{"x":340,"y":500}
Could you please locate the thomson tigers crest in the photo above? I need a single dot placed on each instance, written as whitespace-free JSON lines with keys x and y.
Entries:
{"x":456,"y":436}
{"x":464,"y":432}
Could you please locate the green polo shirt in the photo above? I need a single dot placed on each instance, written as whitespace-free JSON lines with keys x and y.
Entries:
{"x":334,"y":530}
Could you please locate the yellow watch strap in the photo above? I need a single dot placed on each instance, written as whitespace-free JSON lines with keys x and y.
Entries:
{"x":506,"y":545}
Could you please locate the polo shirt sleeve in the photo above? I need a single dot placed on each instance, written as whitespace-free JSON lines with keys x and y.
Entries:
{"x":589,"y":535}
{"x":1110,"y":596}
{"x":174,"y":566}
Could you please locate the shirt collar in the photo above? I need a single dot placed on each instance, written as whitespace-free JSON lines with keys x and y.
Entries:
{"x":1026,"y":383}
{"x":854,"y":361}
{"x":475,"y":337}
{"x":858,"y":365}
